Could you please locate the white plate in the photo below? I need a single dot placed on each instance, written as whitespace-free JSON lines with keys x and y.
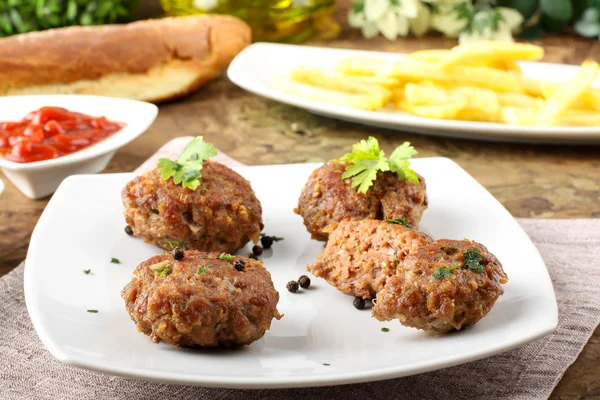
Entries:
{"x":82,"y":227}
{"x":256,"y":66}
{"x":41,"y":178}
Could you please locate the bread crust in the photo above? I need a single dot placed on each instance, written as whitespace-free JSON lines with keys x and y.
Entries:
{"x":75,"y":59}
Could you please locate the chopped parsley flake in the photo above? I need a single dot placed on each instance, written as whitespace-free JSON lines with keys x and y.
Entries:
{"x":202,"y":270}
{"x":399,"y":221}
{"x":326,"y":364}
{"x":226,"y":257}
{"x":171,"y":244}
{"x":367,"y":159}
{"x":384,"y":329}
{"x":163,"y":272}
{"x":186,"y":171}
{"x":444,"y":272}
{"x":87,"y":271}
{"x":93,"y":311}
{"x":115,"y":261}
{"x":472,"y":258}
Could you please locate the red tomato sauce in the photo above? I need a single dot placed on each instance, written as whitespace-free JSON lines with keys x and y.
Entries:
{"x":52,"y":132}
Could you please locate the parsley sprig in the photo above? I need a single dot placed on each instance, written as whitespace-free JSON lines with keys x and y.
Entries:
{"x":186,"y":171}
{"x":399,"y":221}
{"x":472,"y":258}
{"x":366,"y":159}
{"x":444,"y":272}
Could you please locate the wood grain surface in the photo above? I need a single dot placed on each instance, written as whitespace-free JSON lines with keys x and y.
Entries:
{"x":532,"y":181}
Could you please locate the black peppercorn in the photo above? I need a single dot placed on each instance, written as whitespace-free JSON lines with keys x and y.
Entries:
{"x":239,"y":264}
{"x":257,"y":250}
{"x":128,"y":230}
{"x":178,"y":253}
{"x":359,"y":303}
{"x":292,"y":286}
{"x":304,"y":281}
{"x":266,"y":241}
{"x":252,"y":256}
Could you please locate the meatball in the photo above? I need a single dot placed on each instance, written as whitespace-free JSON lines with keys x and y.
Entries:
{"x":446,"y":285}
{"x":201,"y":299}
{"x":327,"y":198}
{"x":361,"y":255}
{"x":222,"y":214}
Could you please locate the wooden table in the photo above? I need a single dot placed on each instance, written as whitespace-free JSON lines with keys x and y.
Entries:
{"x":533,"y":181}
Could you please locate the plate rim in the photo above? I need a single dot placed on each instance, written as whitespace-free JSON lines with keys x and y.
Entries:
{"x":377,"y":374}
{"x":428,"y":126}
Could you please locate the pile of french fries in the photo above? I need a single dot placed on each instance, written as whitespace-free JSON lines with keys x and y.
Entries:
{"x":479,"y":81}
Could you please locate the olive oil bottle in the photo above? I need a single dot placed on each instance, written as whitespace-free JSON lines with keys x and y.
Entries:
{"x":289,"y":21}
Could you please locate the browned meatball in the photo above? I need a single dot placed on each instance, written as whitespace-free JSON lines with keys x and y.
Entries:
{"x":361,"y":255}
{"x":222,"y":214}
{"x":327,"y":198}
{"x":435,"y":290}
{"x":201,"y":300}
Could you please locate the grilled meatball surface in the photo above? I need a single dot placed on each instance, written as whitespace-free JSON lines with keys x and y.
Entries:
{"x":201,"y":300}
{"x":327,"y":198}
{"x":361,"y":255}
{"x":419,"y":300}
{"x":222,"y":214}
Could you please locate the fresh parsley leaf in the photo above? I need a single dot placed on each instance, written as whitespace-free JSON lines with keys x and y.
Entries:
{"x":115,"y":261}
{"x":444,"y":272}
{"x":399,"y":221}
{"x":171,"y":244}
{"x":326,"y":364}
{"x":366,"y":160}
{"x":93,"y":311}
{"x":472,"y":258}
{"x":384,"y":329}
{"x":87,"y":271}
{"x":226,"y":257}
{"x":399,"y":162}
{"x":202,"y":270}
{"x":163,"y":272}
{"x":186,"y":171}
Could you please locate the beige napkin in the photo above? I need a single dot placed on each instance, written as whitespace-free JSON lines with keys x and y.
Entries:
{"x":570,"y":248}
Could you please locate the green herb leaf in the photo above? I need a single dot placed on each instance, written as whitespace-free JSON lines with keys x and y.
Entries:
{"x":559,"y":10}
{"x":87,"y":271}
{"x":163,"y":272}
{"x":526,"y":7}
{"x":326,"y":364}
{"x":171,"y":244}
{"x":202,"y":270}
{"x":366,"y":160}
{"x":444,"y":272}
{"x":226,"y":257}
{"x":384,"y":329}
{"x":93,"y":311}
{"x":399,"y":162}
{"x":186,"y":171}
{"x":358,"y":7}
{"x":472,"y":257}
{"x":115,"y":261}
{"x":399,"y":221}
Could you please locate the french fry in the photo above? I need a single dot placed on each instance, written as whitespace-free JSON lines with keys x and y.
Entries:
{"x":589,"y":100}
{"x":486,"y":51}
{"x":427,"y":94}
{"x":519,"y":100}
{"x":337,"y":82}
{"x":440,"y":111}
{"x":568,"y":93}
{"x":484,"y":77}
{"x":428,"y":55}
{"x":360,"y":66}
{"x":518,"y":116}
{"x":359,"y":101}
{"x":384,"y":81}
{"x":481,"y":104}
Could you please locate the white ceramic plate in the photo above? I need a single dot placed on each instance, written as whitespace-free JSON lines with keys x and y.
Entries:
{"x":41,"y":178}
{"x":82,"y":228}
{"x":256,"y":66}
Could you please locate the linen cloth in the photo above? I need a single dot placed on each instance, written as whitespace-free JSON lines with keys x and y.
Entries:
{"x":570,"y":249}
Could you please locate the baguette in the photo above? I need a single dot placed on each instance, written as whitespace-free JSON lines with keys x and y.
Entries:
{"x":152,"y":60}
